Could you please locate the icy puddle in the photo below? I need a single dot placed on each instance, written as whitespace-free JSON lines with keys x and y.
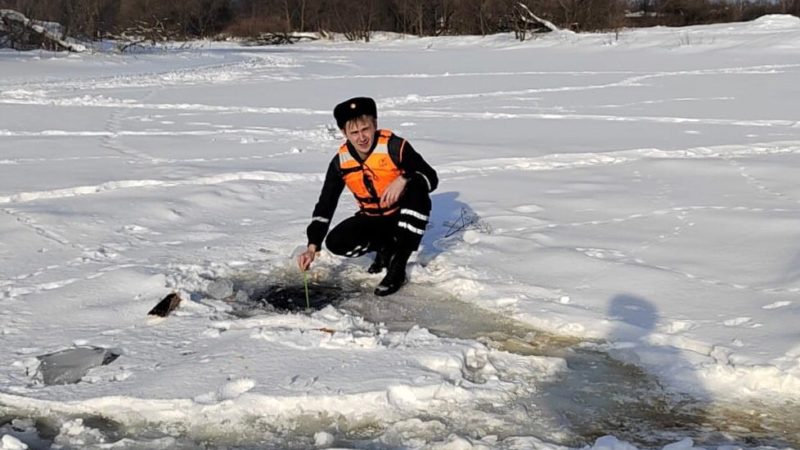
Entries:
{"x":593,"y":397}
{"x":596,"y":396}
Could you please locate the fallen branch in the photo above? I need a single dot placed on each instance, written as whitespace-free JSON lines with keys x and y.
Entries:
{"x":530,"y":17}
{"x":468,"y":220}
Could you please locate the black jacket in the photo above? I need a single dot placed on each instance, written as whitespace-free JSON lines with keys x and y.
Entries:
{"x":414,"y":168}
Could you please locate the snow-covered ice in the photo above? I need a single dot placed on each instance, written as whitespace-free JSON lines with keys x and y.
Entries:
{"x":629,"y":198}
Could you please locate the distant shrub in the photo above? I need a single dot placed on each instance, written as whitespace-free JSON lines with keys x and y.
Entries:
{"x":253,"y":27}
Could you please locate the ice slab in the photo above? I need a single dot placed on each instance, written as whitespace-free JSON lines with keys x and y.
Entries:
{"x":70,"y":365}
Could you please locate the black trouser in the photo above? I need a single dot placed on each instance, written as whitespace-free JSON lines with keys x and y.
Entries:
{"x":403,"y":230}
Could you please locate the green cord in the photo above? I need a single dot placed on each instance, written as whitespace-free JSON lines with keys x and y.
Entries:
{"x":305,"y":282}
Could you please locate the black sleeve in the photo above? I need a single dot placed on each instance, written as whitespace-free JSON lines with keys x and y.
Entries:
{"x":414,"y":167}
{"x":326,"y":205}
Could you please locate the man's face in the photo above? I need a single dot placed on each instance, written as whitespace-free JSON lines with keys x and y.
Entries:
{"x":360,"y":133}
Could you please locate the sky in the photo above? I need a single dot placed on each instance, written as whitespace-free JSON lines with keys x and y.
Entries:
{"x":609,"y":262}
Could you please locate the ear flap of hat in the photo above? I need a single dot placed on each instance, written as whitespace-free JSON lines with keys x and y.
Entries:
{"x":355,"y":107}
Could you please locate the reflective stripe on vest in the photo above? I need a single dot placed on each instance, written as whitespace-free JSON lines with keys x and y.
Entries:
{"x":369,"y":179}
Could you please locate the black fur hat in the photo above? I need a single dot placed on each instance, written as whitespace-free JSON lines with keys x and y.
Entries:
{"x":355,"y":107}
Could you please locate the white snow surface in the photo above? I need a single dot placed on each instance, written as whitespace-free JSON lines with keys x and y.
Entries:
{"x":638,"y":191}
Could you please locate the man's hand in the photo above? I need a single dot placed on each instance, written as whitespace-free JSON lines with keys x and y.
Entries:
{"x":305,"y":259}
{"x":393,"y":193}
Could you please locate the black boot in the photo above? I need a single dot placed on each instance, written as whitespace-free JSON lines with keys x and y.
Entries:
{"x":382,"y":258}
{"x":395,"y":276}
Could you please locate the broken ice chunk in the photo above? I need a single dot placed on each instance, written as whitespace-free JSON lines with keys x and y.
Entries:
{"x":220,"y":289}
{"x":70,"y":365}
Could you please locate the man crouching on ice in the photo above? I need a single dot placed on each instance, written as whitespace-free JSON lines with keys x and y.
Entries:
{"x":392,"y":185}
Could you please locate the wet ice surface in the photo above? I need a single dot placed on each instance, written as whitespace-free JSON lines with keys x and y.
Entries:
{"x":597,"y":396}
{"x":70,"y":365}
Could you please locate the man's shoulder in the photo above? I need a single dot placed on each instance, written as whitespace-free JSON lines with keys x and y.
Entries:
{"x":390,"y":133}
{"x":395,"y":142}
{"x":344,"y":147}
{"x":396,"y":146}
{"x":335,"y":160}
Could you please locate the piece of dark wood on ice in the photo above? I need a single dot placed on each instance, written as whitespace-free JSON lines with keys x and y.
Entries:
{"x":166,"y":305}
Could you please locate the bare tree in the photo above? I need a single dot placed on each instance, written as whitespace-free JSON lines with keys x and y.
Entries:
{"x":354,"y":20}
{"x":400,"y":9}
{"x":443,"y":14}
{"x":414,"y":16}
{"x":296,"y":14}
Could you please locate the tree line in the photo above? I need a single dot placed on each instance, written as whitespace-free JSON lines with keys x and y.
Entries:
{"x":357,"y":19}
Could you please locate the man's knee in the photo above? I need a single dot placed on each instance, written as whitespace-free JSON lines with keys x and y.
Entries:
{"x":416,"y":197}
{"x":339,"y":240}
{"x":336,"y":244}
{"x":414,"y":216}
{"x":342,"y":244}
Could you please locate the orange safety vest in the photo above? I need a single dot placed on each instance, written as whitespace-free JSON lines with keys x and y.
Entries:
{"x":368,"y":179}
